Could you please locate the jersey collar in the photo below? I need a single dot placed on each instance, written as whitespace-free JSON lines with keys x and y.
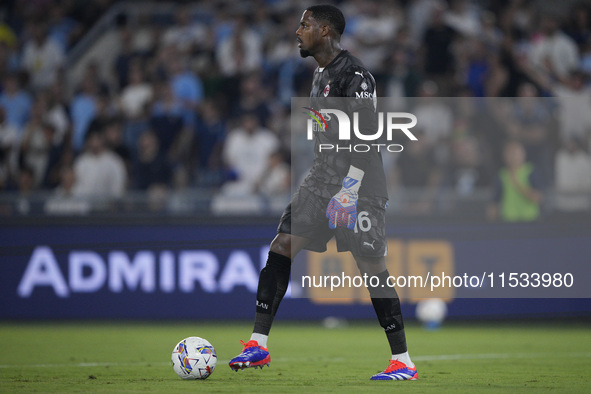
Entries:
{"x":341,"y":53}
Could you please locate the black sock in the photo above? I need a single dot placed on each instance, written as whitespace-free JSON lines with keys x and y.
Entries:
{"x":387,"y":306}
{"x":273,"y":282}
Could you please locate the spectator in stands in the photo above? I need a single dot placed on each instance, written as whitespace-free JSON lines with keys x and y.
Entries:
{"x":126,"y":56}
{"x":9,"y":51}
{"x":37,"y":142}
{"x":210,"y":134}
{"x":151,"y":167}
{"x":477,"y":66}
{"x":554,"y":51}
{"x":25,"y":203}
{"x":64,"y":201}
{"x":253,"y":99}
{"x":418,"y":174}
{"x":435,"y":115}
{"x":247,"y":151}
{"x":263,"y":23}
{"x":403,"y":41}
{"x":93,"y":72}
{"x":518,"y":188}
{"x":586,"y":58}
{"x":16,"y":102}
{"x":134,"y":103}
{"x":276,"y":179}
{"x":136,"y":96}
{"x":573,"y":177}
{"x":286,"y":61}
{"x":158,"y":195}
{"x":578,"y":27}
{"x":42,"y":57}
{"x":67,"y":182}
{"x":530,"y":123}
{"x":113,"y":132}
{"x":167,"y":118}
{"x":241,"y":52}
{"x":504,"y":73}
{"x":437,"y":57}
{"x":185,"y":34}
{"x":181,"y":199}
{"x":186,"y":86}
{"x":489,"y":33}
{"x":400,"y":79}
{"x":100,"y":173}
{"x":574,"y":98}
{"x":467,"y":171}
{"x":83,"y":111}
{"x":375,"y":25}
{"x":58,"y":156}
{"x":106,"y":111}
{"x":63,"y":29}
{"x":419,"y":14}
{"x":9,"y":143}
{"x":8,"y":36}
{"x":280,"y":43}
{"x":56,"y":114}
{"x":462,"y":17}
{"x":517,"y":16}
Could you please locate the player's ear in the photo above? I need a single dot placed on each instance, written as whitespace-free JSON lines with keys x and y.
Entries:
{"x":325,"y":30}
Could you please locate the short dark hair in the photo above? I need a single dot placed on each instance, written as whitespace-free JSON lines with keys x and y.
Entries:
{"x":330,"y":14}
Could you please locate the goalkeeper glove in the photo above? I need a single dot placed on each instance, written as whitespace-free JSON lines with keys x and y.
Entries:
{"x":342,"y":208}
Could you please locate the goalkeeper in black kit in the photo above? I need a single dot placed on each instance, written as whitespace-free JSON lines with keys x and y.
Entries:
{"x":343,"y":186}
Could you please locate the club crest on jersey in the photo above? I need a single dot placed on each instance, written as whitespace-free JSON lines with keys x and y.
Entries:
{"x":326,"y":90}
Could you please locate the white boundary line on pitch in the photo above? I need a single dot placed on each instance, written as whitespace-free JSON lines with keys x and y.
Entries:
{"x":83,"y":365}
{"x":441,"y":357}
{"x":491,"y":356}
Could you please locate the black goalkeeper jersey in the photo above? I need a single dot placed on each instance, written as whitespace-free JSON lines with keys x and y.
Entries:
{"x":345,"y":76}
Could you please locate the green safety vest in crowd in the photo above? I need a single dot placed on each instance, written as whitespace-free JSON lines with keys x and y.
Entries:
{"x":514,"y":205}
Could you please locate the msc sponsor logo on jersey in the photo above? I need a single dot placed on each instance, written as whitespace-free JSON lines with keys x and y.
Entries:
{"x":364,"y":86}
{"x":364,"y":95}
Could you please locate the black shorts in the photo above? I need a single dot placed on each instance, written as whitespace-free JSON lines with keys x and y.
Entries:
{"x":305,"y":216}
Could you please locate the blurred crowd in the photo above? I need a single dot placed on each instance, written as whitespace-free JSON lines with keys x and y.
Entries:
{"x":199,"y":99}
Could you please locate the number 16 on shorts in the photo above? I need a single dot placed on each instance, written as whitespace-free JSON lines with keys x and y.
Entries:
{"x":363,"y":222}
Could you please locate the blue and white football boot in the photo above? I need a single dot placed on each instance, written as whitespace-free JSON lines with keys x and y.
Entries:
{"x":397,"y":370}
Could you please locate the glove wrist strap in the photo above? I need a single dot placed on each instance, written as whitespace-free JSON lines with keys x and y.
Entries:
{"x":353,"y":179}
{"x":355,"y":173}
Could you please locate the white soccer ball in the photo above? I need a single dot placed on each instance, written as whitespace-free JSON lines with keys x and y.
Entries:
{"x":431,"y":312}
{"x":194,"y":358}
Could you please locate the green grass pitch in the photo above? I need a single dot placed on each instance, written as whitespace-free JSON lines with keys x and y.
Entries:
{"x":537,"y":356}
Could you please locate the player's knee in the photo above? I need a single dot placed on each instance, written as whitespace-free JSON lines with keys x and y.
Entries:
{"x":370,"y":265}
{"x":281,"y":245}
